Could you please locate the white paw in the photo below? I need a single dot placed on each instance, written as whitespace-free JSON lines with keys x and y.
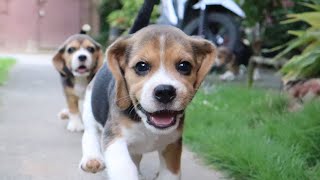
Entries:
{"x":227,"y":76}
{"x":256,"y":75}
{"x":92,"y":165}
{"x":63,"y":114}
{"x":75,"y":125}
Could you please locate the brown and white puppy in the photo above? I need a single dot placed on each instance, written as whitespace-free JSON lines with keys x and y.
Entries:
{"x":138,"y":99}
{"x":77,"y":61}
{"x":227,"y":59}
{"x":301,"y":91}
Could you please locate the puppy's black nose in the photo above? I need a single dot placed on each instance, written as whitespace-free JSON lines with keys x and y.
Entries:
{"x":165,"y":93}
{"x":82,"y":58}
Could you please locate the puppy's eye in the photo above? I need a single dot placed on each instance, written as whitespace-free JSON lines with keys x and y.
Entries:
{"x":91,"y":49}
{"x":142,"y":68}
{"x":71,"y":50}
{"x":184,"y":67}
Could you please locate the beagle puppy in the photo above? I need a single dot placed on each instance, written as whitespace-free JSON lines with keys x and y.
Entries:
{"x":136,"y":103}
{"x":227,"y":60}
{"x":77,"y":61}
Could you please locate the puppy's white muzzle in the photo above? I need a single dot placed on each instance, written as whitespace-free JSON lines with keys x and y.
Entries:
{"x":81,"y":62}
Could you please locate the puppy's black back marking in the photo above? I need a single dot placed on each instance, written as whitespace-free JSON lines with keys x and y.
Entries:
{"x":102,"y":94}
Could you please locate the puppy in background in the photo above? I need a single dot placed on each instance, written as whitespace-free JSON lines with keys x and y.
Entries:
{"x":234,"y":64}
{"x":302,"y":91}
{"x":77,"y":61}
{"x":227,"y":59}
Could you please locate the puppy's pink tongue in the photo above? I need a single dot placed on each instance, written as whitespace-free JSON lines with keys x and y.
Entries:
{"x":162,"y":119}
{"x":82,"y":69}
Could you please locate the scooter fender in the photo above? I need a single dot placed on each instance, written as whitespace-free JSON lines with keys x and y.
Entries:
{"x":228,"y":4}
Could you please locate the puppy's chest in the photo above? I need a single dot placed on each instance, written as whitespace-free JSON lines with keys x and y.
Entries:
{"x":80,"y":86}
{"x":140,"y":140}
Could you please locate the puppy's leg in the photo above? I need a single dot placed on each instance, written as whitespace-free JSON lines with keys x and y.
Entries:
{"x":227,"y":76}
{"x":118,"y":161}
{"x":136,"y":158}
{"x":92,"y":159}
{"x":75,"y":123}
{"x":170,"y":159}
{"x":256,"y":74}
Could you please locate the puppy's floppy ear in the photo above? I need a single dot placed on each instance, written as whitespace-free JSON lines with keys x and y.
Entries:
{"x":100,"y":58}
{"x":205,"y":54}
{"x":116,"y":55}
{"x":58,"y":60}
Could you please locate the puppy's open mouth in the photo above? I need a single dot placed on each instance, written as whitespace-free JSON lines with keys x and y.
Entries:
{"x":82,"y":69}
{"x":161,"y":119}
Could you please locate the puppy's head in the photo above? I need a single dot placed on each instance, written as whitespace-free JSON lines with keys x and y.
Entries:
{"x":79,"y":55}
{"x":158,"y":70}
{"x":224,"y":56}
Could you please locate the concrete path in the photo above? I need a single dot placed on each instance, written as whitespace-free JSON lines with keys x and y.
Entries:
{"x":35,"y":145}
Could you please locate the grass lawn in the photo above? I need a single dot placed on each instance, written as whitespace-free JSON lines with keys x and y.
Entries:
{"x":5,"y":64}
{"x":250,"y":135}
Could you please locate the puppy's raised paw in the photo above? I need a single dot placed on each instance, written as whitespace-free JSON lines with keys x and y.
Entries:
{"x":92,"y":165}
{"x":63,"y":114}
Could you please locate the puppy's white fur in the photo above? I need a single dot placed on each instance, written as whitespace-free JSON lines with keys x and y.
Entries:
{"x":161,"y":77}
{"x":75,"y":62}
{"x":75,"y":124}
{"x":151,"y":105}
{"x":141,"y":140}
{"x":119,"y":163}
{"x":80,"y":86}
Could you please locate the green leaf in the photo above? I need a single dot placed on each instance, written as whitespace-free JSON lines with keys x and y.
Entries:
{"x":293,"y":44}
{"x":312,"y":18}
{"x":312,"y":6}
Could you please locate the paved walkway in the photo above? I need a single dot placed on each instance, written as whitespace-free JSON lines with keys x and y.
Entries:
{"x":35,"y":145}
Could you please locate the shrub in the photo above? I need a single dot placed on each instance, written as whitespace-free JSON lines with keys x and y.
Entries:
{"x":306,"y":64}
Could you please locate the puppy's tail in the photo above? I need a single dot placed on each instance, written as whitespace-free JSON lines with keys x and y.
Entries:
{"x":143,"y":18}
{"x":85,"y":29}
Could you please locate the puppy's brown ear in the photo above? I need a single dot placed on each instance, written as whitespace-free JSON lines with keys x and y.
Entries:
{"x":100,"y":60}
{"x":58,"y":60}
{"x":116,"y":55}
{"x":205,"y":54}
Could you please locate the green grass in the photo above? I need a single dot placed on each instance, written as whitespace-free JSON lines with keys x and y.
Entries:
{"x":5,"y":64}
{"x":250,"y":135}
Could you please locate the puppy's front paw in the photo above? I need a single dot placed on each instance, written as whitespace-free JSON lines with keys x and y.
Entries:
{"x":92,"y":165}
{"x":63,"y":114}
{"x":75,"y":125}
